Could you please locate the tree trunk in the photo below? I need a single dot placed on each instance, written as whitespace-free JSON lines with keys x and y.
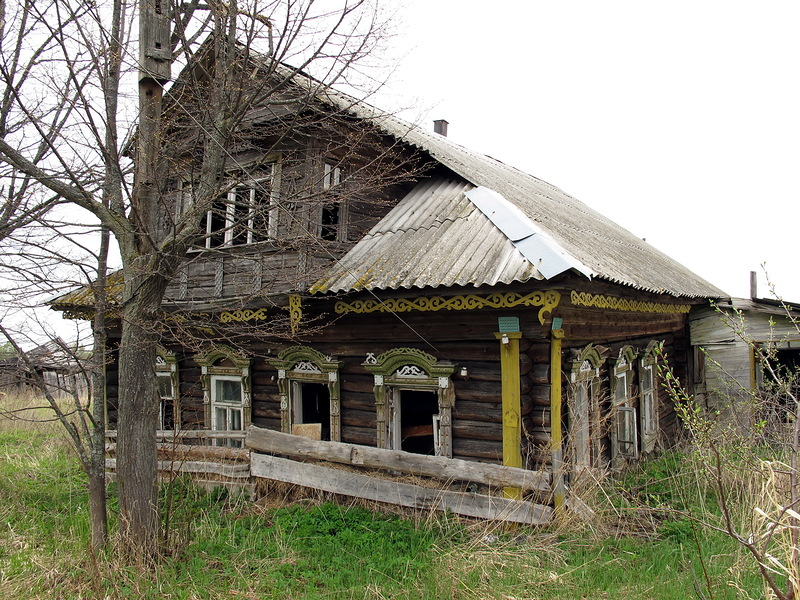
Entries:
{"x":138,"y":414}
{"x":96,"y":471}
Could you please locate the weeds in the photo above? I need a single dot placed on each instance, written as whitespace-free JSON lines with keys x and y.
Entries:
{"x":221,"y":545}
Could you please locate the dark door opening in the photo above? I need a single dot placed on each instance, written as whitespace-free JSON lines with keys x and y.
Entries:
{"x":316,"y":406}
{"x":417,"y":409}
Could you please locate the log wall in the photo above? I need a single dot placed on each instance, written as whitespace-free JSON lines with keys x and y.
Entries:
{"x":465,"y":339}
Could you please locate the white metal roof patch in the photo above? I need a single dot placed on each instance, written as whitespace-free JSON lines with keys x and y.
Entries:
{"x":539,"y":249}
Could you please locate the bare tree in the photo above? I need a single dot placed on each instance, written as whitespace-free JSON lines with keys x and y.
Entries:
{"x":67,"y":120}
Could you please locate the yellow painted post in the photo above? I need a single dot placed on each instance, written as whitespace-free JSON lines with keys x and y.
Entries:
{"x":512,"y":431}
{"x":556,"y":441}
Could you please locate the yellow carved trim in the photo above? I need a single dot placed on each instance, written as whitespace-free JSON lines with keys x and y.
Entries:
{"x":547,"y":299}
{"x":295,"y":311}
{"x":626,"y":304}
{"x":243,"y":314}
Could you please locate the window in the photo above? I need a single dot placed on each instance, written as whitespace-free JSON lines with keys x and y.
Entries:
{"x":648,"y":398}
{"x":169,"y":397}
{"x":227,"y":401}
{"x":624,"y":441}
{"x":414,"y":399}
{"x":226,"y":395}
{"x":334,"y":210}
{"x":309,"y":387}
{"x":245,"y":214}
{"x":584,"y":408}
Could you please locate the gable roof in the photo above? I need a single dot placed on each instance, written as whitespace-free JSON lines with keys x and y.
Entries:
{"x":436,"y":236}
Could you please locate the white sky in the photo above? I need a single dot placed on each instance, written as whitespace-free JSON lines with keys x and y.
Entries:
{"x":679,"y":120}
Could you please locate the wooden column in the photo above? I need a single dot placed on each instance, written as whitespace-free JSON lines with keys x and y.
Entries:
{"x":512,"y":418}
{"x":555,"y":418}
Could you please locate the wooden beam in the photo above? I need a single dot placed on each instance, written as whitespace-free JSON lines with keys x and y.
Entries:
{"x":356,"y":485}
{"x":559,"y":491}
{"x":512,"y":418}
{"x":443,"y":468}
{"x":232,"y":471}
{"x":170,"y":450}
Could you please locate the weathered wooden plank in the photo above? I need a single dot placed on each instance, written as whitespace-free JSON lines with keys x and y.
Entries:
{"x":187,"y":452}
{"x":440,"y":467}
{"x":232,"y":471}
{"x":403,"y":494}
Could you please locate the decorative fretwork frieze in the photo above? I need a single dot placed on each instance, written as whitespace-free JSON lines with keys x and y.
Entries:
{"x":547,"y":299}
{"x":625,"y":304}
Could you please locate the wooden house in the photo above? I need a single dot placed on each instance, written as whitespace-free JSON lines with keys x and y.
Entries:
{"x":462,"y":309}
{"x":52,"y":363}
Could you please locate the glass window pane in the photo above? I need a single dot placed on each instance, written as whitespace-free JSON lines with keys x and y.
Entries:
{"x":222,"y":419}
{"x":647,"y":378}
{"x":235,"y":419}
{"x":165,"y":386}
{"x":229,"y":391}
{"x":621,"y":389}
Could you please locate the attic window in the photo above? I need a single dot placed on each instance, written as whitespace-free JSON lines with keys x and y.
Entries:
{"x":333,"y":222}
{"x":245,"y":215}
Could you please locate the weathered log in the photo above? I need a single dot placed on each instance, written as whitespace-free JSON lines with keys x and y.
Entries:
{"x":477,"y":430}
{"x":540,"y":395}
{"x":403,"y":494}
{"x":232,"y":471}
{"x":360,"y":435}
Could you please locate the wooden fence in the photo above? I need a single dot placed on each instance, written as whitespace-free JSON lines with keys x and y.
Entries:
{"x":209,"y":457}
{"x":386,"y":486}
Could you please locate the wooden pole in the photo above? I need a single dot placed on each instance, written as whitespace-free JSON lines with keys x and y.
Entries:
{"x":555,"y":419}
{"x":512,"y":418}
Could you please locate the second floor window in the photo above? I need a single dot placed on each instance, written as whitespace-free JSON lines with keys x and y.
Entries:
{"x":246,"y":214}
{"x":334,"y":210}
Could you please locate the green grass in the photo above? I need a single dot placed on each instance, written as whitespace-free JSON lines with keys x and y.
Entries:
{"x":223,"y":546}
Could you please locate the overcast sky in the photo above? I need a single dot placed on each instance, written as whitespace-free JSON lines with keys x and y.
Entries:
{"x":679,"y":120}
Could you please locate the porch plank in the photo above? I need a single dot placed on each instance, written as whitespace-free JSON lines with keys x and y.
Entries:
{"x":276,"y":442}
{"x":403,"y":494}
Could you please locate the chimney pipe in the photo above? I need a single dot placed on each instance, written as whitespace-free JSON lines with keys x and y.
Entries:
{"x":440,"y":127}
{"x":753,"y":285}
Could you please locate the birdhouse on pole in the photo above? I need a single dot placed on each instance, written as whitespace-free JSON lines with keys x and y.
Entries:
{"x":155,"y":54}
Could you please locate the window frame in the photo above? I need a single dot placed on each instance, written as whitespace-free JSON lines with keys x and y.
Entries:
{"x":332,"y":178}
{"x":225,"y":207}
{"x":585,"y":419}
{"x":411,"y":369}
{"x":167,"y":367}
{"x":648,"y":399}
{"x":623,"y":413}
{"x":212,"y":373}
{"x":302,"y":364}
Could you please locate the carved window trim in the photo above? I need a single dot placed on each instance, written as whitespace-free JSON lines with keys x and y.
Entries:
{"x":167,"y":366}
{"x":211,"y":374}
{"x":624,"y":423}
{"x":390,"y":374}
{"x":648,"y":397}
{"x":299,"y":364}
{"x":584,"y":407}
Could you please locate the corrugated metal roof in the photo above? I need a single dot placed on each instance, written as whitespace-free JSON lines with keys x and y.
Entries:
{"x":434,"y":236}
{"x":439,"y":241}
